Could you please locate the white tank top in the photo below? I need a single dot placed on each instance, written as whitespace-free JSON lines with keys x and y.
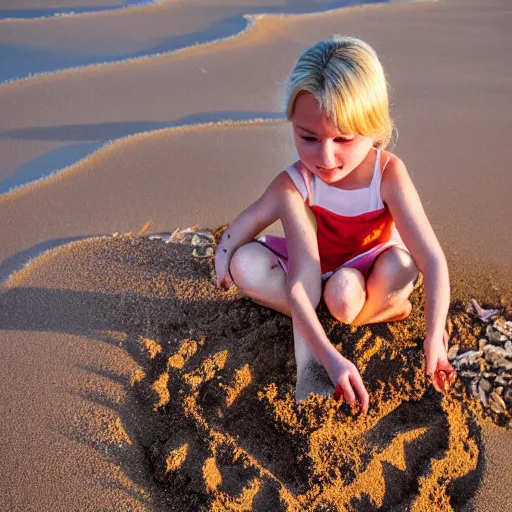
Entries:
{"x":348,"y":203}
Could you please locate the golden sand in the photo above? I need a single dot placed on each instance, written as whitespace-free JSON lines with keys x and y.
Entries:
{"x":216,"y":413}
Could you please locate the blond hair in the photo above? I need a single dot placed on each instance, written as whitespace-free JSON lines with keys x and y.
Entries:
{"x":346,"y":77}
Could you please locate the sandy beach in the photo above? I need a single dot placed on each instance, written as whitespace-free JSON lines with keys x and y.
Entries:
{"x":127,"y":381}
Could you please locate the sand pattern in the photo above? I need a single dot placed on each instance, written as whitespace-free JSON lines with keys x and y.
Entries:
{"x":128,"y":382}
{"x":215,"y":415}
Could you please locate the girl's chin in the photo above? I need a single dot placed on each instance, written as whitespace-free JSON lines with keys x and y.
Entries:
{"x":332,"y":177}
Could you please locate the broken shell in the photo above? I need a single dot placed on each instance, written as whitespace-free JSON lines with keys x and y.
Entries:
{"x":484,"y":384}
{"x":504,"y":363}
{"x":469,"y":355}
{"x":495,"y":336}
{"x":497,"y":404}
{"x":508,"y":347}
{"x":468,"y":374}
{"x":483,"y":397}
{"x":493,"y":356}
{"x":484,"y":314}
{"x":452,"y":352}
{"x":201,"y":238}
{"x":482,"y":342}
{"x":504,"y":326}
{"x":494,"y":349}
{"x":202,"y":252}
{"x":500,"y":381}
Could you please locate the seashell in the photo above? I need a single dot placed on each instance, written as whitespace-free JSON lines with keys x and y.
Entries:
{"x":482,"y":342}
{"x":499,"y":390}
{"x":483,"y":397}
{"x":202,"y":252}
{"x":504,"y":326}
{"x":484,"y":384}
{"x":201,"y":238}
{"x":469,"y":355}
{"x":468,"y":374}
{"x":493,"y":349}
{"x":508,"y":347}
{"x":497,"y":404}
{"x":452,"y":352}
{"x":504,"y":363}
{"x":494,"y":336}
{"x":501,"y":381}
{"x":493,"y":356}
{"x":484,"y":314}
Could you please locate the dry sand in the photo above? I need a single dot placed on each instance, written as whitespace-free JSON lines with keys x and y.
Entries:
{"x":128,"y":381}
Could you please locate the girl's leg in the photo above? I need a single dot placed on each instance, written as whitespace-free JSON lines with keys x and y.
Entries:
{"x":257,"y":272}
{"x":383,"y":298}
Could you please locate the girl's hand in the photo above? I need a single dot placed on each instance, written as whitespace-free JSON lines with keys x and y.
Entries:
{"x":222,"y":260}
{"x":347,"y":381}
{"x":436,"y":363}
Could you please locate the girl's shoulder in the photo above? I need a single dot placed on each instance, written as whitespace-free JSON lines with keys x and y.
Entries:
{"x":395,"y":178}
{"x":389,"y":161}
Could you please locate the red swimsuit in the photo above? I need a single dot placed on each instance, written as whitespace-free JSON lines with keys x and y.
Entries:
{"x":353,"y":226}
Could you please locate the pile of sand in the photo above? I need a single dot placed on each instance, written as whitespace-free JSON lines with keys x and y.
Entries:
{"x":216,"y":420}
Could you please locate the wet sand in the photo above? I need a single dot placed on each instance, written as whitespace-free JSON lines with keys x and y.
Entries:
{"x":106,"y":401}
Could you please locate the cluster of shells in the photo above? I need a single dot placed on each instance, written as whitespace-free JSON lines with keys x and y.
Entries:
{"x":202,"y":241}
{"x":488,"y":370}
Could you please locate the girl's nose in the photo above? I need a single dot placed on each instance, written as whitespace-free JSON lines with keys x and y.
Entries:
{"x":327,"y":157}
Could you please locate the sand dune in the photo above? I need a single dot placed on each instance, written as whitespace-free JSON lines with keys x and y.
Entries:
{"x":78,"y":111}
{"x":45,"y":45}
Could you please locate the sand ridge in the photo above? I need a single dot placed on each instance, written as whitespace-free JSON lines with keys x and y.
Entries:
{"x":121,"y":101}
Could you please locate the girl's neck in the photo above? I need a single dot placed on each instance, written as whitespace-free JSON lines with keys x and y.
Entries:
{"x":361,"y":177}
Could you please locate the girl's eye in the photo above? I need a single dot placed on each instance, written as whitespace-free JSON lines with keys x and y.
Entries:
{"x":338,"y":139}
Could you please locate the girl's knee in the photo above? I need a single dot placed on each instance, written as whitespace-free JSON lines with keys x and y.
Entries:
{"x":250,"y":264}
{"x":345,"y":294}
{"x":397,"y":268}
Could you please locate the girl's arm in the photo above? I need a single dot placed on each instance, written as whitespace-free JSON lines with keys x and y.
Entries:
{"x":399,"y":193}
{"x":244,"y":228}
{"x":304,"y":292}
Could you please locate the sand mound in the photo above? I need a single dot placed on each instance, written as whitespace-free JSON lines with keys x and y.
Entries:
{"x":216,"y":417}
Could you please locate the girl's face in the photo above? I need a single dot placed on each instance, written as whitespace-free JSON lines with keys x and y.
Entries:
{"x":323,"y":149}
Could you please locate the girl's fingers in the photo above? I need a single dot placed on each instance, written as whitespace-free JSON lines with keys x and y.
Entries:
{"x":357,"y":384}
{"x":348,"y":393}
{"x":443,"y":376}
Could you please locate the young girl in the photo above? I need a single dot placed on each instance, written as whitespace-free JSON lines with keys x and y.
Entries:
{"x":353,"y":222}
